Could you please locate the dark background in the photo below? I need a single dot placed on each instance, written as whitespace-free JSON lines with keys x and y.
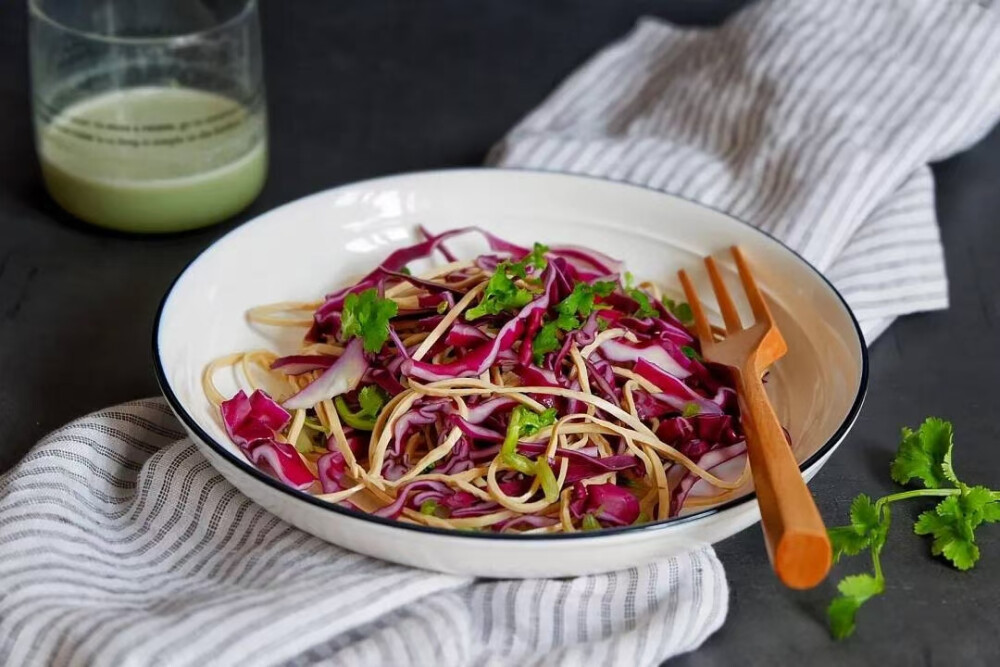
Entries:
{"x":359,"y":88}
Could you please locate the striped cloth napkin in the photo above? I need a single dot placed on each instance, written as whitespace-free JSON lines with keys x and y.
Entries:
{"x":121,"y":545}
{"x":814,"y":120}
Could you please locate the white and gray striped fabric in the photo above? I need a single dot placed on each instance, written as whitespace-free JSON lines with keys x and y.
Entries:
{"x":812,"y":120}
{"x":120,"y":545}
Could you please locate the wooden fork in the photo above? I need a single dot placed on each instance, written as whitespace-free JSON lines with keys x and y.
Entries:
{"x":796,"y":538}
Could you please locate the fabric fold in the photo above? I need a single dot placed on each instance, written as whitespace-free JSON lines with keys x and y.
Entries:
{"x":813,"y":121}
{"x":121,"y":545}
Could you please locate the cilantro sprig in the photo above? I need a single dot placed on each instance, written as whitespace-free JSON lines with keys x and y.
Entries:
{"x":535,"y":258}
{"x":924,"y":455}
{"x":371,"y":399}
{"x":579,"y":304}
{"x":366,"y":315}
{"x":502,"y":292}
{"x":646,"y":308}
{"x":525,"y":422}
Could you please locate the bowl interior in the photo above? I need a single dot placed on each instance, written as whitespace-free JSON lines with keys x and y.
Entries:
{"x":307,"y":248}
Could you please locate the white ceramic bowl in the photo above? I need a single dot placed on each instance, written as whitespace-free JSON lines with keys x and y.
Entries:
{"x":307,"y":248}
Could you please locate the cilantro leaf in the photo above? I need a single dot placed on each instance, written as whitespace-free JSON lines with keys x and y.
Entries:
{"x":532,"y":422}
{"x":991,"y":513}
{"x":646,"y":308}
{"x":535,"y":258}
{"x":366,"y":315}
{"x":867,"y":530}
{"x":855,"y":590}
{"x":954,"y":521}
{"x":860,"y":586}
{"x":691,"y":410}
{"x":546,"y":340}
{"x":926,"y":455}
{"x":949,"y":538}
{"x":841,"y":614}
{"x":683,"y":312}
{"x":371,"y":400}
{"x":432,"y":508}
{"x":501,"y":293}
{"x":864,"y":516}
{"x":846,"y":540}
{"x":680,"y":310}
{"x":974,"y":501}
{"x":690,"y":352}
{"x":590,"y":522}
{"x":581,"y":301}
{"x":947,"y":469}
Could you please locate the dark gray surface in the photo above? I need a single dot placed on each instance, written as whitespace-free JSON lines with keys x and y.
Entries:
{"x":361,"y":88}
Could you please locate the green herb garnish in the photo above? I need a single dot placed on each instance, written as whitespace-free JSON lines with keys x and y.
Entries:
{"x":371,"y":400}
{"x":646,"y":308}
{"x":579,"y":304}
{"x":691,"y":410}
{"x":525,"y":422}
{"x":925,"y":455}
{"x":680,"y":310}
{"x":501,"y":292}
{"x":690,"y":352}
{"x":429,"y":507}
{"x":535,"y":258}
{"x":366,"y":315}
{"x":590,"y":522}
{"x":546,"y":340}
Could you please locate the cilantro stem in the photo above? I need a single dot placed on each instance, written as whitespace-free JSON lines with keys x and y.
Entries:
{"x":877,"y":564}
{"x":916,"y":493}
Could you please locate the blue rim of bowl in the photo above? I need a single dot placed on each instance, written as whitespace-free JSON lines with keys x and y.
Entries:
{"x":246,"y":467}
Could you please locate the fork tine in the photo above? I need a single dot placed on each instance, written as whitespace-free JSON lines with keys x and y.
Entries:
{"x":701,"y":325}
{"x":729,"y":313}
{"x":756,"y":299}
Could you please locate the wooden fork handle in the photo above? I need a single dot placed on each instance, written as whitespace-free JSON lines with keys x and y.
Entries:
{"x":797,"y":541}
